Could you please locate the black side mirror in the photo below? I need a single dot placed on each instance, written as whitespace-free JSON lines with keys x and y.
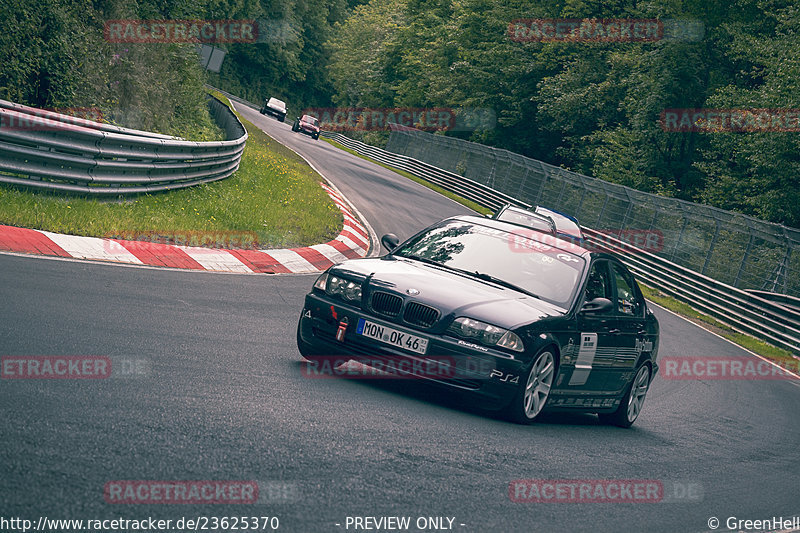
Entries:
{"x":598,"y":305}
{"x":390,"y":241}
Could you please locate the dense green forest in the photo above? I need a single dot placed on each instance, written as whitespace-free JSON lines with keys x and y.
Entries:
{"x":593,"y":107}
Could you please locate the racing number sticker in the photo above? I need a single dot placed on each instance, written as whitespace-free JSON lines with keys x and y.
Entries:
{"x":583,"y":365}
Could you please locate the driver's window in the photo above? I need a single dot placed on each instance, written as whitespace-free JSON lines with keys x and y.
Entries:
{"x":598,"y":285}
{"x":627,"y":302}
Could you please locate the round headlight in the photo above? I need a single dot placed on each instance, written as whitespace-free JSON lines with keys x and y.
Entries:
{"x":352,"y":291}
{"x":470,"y":328}
{"x":336,"y":285}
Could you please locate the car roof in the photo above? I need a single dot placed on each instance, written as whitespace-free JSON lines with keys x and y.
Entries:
{"x":551,"y":239}
{"x":539,"y":218}
{"x":564,"y":223}
{"x":523,"y":217}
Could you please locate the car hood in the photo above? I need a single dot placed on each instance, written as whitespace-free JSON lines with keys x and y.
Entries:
{"x":450,"y":292}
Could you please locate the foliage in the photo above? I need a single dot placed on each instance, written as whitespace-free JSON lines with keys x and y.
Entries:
{"x":595,"y":107}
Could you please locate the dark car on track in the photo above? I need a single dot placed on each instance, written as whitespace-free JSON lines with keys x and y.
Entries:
{"x":521,"y":320}
{"x":308,"y":125}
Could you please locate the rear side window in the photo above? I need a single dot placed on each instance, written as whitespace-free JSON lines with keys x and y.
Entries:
{"x":628,"y":300}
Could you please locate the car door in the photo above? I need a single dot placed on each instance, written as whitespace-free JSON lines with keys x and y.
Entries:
{"x":597,"y":334}
{"x":629,"y":310}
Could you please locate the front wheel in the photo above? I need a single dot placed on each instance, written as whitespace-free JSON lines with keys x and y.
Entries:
{"x":281,"y":118}
{"x":533,"y":393}
{"x":296,"y":126}
{"x":631,"y":404}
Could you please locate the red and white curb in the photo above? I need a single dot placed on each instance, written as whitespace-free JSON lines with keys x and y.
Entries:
{"x":351,"y":243}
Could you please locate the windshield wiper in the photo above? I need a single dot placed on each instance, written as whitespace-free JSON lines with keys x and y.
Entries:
{"x":435,"y":263}
{"x":504,"y":283}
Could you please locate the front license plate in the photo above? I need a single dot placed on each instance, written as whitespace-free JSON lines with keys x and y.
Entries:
{"x":391,"y":336}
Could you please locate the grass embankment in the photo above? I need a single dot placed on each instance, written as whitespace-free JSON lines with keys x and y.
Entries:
{"x":758,"y":346}
{"x":463,"y":201}
{"x":274,"y":195}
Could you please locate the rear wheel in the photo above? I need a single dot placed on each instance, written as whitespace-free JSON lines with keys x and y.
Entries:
{"x":315,"y":135}
{"x":631,"y":404}
{"x":533,"y":393}
{"x":281,"y":118}
{"x":296,"y":126}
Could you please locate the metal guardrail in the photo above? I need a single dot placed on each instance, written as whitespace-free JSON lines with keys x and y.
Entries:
{"x":746,"y":312}
{"x":47,"y":150}
{"x":235,"y":98}
{"x":735,"y":248}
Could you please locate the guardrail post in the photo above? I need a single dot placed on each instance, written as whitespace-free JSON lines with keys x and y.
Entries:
{"x":744,"y":260}
{"x":711,"y":247}
{"x":680,"y":238}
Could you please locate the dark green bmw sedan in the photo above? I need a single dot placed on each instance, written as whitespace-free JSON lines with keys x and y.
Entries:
{"x":523,"y":319}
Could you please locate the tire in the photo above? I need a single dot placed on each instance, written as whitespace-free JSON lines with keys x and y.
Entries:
{"x":534,"y":391}
{"x":281,"y":118}
{"x":296,"y":126}
{"x":315,"y":136}
{"x":631,"y":404}
{"x":263,"y":111}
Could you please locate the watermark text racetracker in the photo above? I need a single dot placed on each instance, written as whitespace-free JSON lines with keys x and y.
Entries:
{"x":376,"y":367}
{"x":426,"y":119}
{"x":225,"y":240}
{"x":52,"y":119}
{"x":604,"y":491}
{"x":743,"y":368}
{"x":646,"y":240}
{"x":720,"y":120}
{"x":552,"y":30}
{"x":226,"y":492}
{"x":180,"y":31}
{"x":72,"y":367}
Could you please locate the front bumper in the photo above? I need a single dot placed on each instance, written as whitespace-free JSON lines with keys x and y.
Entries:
{"x":490,"y":375}
{"x":274,"y":112}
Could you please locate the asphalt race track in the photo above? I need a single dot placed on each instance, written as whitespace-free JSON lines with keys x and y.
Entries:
{"x":216,"y":392}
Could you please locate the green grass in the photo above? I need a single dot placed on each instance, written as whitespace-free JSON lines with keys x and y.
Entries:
{"x":463,"y":201}
{"x":758,"y":346}
{"x":274,"y":195}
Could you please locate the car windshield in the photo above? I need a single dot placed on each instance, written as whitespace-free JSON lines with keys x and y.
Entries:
{"x":311,"y":120}
{"x":539,"y":269}
{"x":525,"y":218}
